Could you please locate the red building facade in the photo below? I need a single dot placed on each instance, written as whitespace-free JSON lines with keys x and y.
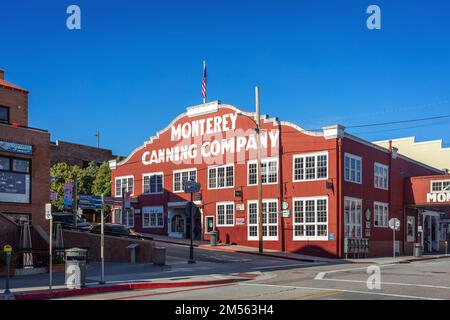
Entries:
{"x":318,"y":187}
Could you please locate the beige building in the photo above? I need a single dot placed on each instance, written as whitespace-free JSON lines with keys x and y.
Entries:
{"x":429,"y":152}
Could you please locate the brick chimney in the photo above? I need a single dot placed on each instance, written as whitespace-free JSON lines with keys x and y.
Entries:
{"x":2,"y":74}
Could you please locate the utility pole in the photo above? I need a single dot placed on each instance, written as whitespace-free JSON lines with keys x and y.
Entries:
{"x":97,"y":135}
{"x":260,"y":213}
{"x":102,"y":240}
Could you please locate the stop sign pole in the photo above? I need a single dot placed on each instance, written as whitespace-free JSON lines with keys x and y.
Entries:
{"x":394,"y":224}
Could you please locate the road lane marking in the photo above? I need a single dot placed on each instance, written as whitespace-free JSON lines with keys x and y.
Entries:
{"x":390,"y":283}
{"x":288,"y":265}
{"x":171,"y":292}
{"x":318,"y":295}
{"x":341,"y":290}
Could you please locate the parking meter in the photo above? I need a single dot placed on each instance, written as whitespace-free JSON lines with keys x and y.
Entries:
{"x":7,"y":250}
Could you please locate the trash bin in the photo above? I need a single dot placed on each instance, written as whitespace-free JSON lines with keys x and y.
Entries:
{"x":213,"y":238}
{"x":159,"y":256}
{"x":417,"y":250}
{"x":75,"y":268}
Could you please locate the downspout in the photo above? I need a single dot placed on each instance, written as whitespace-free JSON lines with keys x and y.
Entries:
{"x":281,"y":186}
{"x":339,"y":194}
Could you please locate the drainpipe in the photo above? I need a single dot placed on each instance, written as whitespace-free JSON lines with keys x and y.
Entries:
{"x":281,"y":185}
{"x":339,"y":195}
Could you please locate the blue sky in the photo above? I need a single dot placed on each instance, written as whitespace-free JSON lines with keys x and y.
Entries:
{"x":135,"y":65}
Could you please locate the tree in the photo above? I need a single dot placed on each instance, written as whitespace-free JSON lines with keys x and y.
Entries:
{"x":89,"y":176}
{"x":102,"y":182}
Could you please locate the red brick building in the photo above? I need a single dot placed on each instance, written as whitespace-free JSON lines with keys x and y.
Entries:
{"x":24,"y":158}
{"x":319,"y":188}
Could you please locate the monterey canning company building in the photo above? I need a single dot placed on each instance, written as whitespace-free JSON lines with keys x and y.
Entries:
{"x":320,"y":188}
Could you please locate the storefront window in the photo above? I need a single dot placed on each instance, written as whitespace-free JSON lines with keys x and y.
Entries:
{"x":14,"y":180}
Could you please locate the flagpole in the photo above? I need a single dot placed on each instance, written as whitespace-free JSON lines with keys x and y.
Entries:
{"x":204,"y":80}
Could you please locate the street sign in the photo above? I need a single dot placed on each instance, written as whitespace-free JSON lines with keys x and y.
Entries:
{"x":191,"y":186}
{"x":7,"y":249}
{"x":89,"y":202}
{"x":394,"y":224}
{"x":113,"y":201}
{"x":48,"y":211}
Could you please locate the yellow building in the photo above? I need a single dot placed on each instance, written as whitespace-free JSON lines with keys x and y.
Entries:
{"x":429,"y":152}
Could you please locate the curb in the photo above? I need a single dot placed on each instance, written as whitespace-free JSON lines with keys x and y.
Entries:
{"x":43,"y":295}
{"x":218,"y":248}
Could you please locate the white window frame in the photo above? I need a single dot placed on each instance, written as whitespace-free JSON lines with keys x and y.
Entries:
{"x":315,"y":223}
{"x":385,"y":170}
{"x":267,"y":224}
{"x":441,"y":190}
{"x":121,"y":184}
{"x":385,"y":211}
{"x":225,"y":177}
{"x":408,"y":220}
{"x":225,"y":204}
{"x":181,"y":180}
{"x":149,"y":175}
{"x":360,"y":202}
{"x":356,"y":158}
{"x":124,"y":220}
{"x":156,"y":226}
{"x":266,"y":161}
{"x":315,"y":155}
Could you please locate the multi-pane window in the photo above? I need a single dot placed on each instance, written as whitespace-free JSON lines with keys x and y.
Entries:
{"x":225,"y":214}
{"x":152,"y":217}
{"x":352,"y":218}
{"x":269,"y":220}
{"x":310,"y":167}
{"x":269,"y":171}
{"x":352,"y":168}
{"x":381,"y":176}
{"x":221,"y":177}
{"x":180,"y":176}
{"x":440,"y":186}
{"x":380,"y":214}
{"x":127,"y":218}
{"x":125,"y":183}
{"x":153,"y":183}
{"x":310,"y":218}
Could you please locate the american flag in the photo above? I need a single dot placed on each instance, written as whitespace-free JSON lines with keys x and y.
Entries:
{"x":204,"y":82}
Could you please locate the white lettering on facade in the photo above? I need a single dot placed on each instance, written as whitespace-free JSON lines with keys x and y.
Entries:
{"x":438,"y":197}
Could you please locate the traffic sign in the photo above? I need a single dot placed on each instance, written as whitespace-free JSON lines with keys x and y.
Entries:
{"x":394,"y":224}
{"x":48,"y":211}
{"x":89,"y":201}
{"x":191,"y":186}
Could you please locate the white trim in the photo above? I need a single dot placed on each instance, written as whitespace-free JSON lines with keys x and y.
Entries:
{"x":304,"y":155}
{"x":225,"y":203}
{"x":267,"y":170}
{"x":383,"y":205}
{"x":377,"y":164}
{"x":225,"y":171}
{"x":357,"y":158}
{"x":115,"y":184}
{"x":181,"y":171}
{"x":149,"y":175}
{"x":267,"y":237}
{"x":310,"y":238}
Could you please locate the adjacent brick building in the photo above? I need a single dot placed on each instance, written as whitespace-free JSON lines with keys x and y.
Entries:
{"x":24,"y":158}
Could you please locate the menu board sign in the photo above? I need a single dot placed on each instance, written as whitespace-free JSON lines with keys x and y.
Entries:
{"x":14,"y":187}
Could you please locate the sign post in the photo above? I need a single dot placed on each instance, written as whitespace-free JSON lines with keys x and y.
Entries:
{"x":48,"y":216}
{"x":102,"y":241}
{"x":7,"y":250}
{"x":394,"y":224}
{"x":191,"y":187}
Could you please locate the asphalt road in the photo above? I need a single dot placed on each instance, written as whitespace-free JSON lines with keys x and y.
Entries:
{"x":285,"y":279}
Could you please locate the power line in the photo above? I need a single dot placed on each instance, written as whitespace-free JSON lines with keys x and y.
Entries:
{"x":397,"y":122}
